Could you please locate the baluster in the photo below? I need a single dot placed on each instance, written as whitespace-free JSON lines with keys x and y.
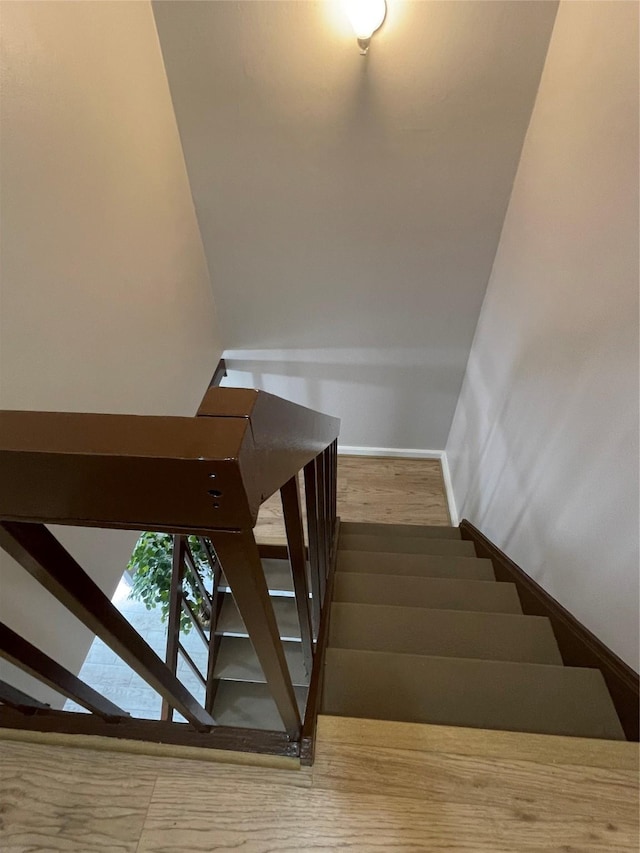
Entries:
{"x":295,"y":542}
{"x":331,"y":461}
{"x":175,"y":610}
{"x":311,"y":500}
{"x":327,"y":506}
{"x":334,"y":512}
{"x":321,"y":483}
{"x":214,"y":639}
{"x":238,"y":554}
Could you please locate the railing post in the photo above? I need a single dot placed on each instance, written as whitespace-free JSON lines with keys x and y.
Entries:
{"x":335,"y":480}
{"x":311,"y":500}
{"x":295,"y":543}
{"x":238,"y":554}
{"x":330,"y":497}
{"x":321,"y":485}
{"x":37,"y":550}
{"x":214,"y":638}
{"x":175,"y":610}
{"x":327,"y":497}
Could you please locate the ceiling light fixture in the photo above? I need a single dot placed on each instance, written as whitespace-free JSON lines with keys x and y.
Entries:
{"x":366,"y":17}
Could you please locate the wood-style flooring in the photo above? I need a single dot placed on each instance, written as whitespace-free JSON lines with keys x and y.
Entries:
{"x":374,"y":489}
{"x":375,"y":786}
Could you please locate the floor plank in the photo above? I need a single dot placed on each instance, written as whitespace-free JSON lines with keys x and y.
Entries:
{"x":265,"y":819}
{"x":403,"y":491}
{"x":374,"y":489}
{"x":521,"y":786}
{"x":52,"y":798}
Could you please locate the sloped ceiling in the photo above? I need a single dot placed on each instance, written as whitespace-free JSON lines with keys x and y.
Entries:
{"x":350,"y":207}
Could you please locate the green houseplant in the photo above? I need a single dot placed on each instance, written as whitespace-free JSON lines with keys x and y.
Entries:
{"x":150,"y":568}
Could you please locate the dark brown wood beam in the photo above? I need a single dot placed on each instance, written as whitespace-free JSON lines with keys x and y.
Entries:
{"x":153,"y":731}
{"x":297,"y":559}
{"x":314,"y":697}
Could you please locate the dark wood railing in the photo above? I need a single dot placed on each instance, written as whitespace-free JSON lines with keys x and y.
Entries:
{"x":206,"y":477}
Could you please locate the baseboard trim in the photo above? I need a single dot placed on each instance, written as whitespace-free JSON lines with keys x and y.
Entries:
{"x":399,"y":453}
{"x":75,"y":725}
{"x":393,"y":452}
{"x":154,"y":749}
{"x":578,"y":646}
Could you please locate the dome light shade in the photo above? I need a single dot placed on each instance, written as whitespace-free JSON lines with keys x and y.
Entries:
{"x":366,"y":17}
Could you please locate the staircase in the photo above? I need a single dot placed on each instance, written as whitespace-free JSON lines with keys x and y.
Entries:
{"x":420,"y":631}
{"x":387,"y":622}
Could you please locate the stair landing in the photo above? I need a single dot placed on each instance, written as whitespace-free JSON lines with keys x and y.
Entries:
{"x":430,"y":788}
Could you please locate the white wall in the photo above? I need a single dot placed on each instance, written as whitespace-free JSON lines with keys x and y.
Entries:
{"x":351,"y":207}
{"x":544,"y":444}
{"x":106,"y":302}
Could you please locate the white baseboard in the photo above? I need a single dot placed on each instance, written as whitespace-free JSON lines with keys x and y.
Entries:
{"x":398,"y":453}
{"x":345,"y":450}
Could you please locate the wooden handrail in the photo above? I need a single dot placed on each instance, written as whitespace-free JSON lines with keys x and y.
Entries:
{"x":295,"y":537}
{"x":205,"y":476}
{"x":157,"y":473}
{"x":285,"y":436}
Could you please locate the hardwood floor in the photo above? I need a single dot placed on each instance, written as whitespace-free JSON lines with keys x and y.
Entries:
{"x":375,"y":489}
{"x":375,"y":786}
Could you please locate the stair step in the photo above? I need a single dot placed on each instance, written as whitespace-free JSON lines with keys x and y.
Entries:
{"x":406,"y":545}
{"x":231,"y":623}
{"x":432,"y":593}
{"x":525,"y":697}
{"x":249,"y":705}
{"x":277,"y":574}
{"x":444,"y":633}
{"x":416,"y":565}
{"x":424,"y":530}
{"x":237,"y":661}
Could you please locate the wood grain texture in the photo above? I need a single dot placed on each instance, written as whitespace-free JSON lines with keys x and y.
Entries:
{"x":428,"y":788}
{"x":403,"y":491}
{"x":52,"y":798}
{"x":264,"y":819}
{"x":519,"y":746}
{"x":477,"y":780}
{"x":55,"y":798}
{"x":374,"y":489}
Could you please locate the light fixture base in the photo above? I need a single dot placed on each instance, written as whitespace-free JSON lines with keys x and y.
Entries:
{"x":363,"y":44}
